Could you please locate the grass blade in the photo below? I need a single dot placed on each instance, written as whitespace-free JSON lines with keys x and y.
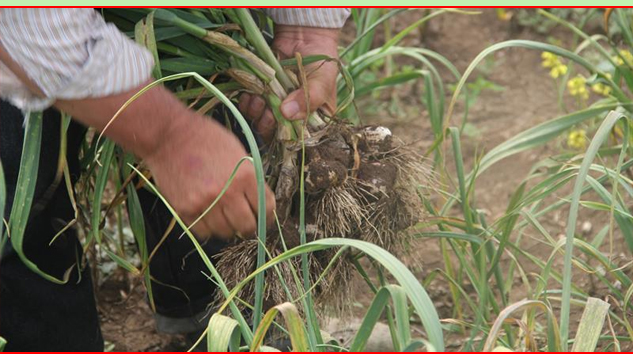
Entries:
{"x":246,"y":333}
{"x":374,"y":312}
{"x":137,"y":224}
{"x":591,"y":325}
{"x":600,"y":137}
{"x":107,"y":154}
{"x":617,"y":92}
{"x":416,"y":293}
{"x":3,"y":200}
{"x":261,"y":183}
{"x":25,"y":190}
{"x":222,"y":334}
{"x":122,"y":262}
{"x":451,"y":235}
{"x":294,"y":325}
{"x":398,"y":37}
{"x":145,"y":36}
{"x":369,"y":29}
{"x":541,"y":134}
{"x":523,"y":305}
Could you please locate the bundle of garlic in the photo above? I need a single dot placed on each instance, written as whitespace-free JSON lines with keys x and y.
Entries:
{"x":359,"y":182}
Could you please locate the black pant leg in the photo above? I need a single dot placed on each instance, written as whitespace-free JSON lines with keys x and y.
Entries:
{"x":185,"y":291}
{"x":181,"y":289}
{"x":36,"y":314}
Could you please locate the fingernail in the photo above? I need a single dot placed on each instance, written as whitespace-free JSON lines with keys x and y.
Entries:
{"x":290,"y":109}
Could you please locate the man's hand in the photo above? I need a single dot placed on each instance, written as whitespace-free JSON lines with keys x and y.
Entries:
{"x":191,"y":170}
{"x":190,"y":156}
{"x":321,"y":77}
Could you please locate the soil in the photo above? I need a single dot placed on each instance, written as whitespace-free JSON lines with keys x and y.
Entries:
{"x":379,"y":176}
{"x":528,"y":98}
{"x":127,"y":321}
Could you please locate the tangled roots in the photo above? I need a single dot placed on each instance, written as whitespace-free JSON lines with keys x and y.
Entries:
{"x":360,"y":183}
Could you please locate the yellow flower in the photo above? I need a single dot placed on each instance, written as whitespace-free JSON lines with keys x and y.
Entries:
{"x":552,"y":61}
{"x":628,"y":57}
{"x":558,"y":70}
{"x":601,"y":89}
{"x":624,"y":57}
{"x":577,"y":87}
{"x":549,"y":60}
{"x":617,"y":60}
{"x":577,"y":139}
{"x":504,"y":15}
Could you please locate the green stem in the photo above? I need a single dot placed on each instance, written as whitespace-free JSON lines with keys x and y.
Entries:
{"x":287,"y":126}
{"x":256,"y":39}
{"x":173,"y":50}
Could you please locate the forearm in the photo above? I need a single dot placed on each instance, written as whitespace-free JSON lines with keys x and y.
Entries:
{"x":151,"y":120}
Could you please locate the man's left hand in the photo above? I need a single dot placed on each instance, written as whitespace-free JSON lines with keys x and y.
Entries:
{"x":321,"y":77}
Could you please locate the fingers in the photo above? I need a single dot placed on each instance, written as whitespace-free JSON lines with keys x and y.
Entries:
{"x":192,"y":176}
{"x":236,"y":212}
{"x":239,"y":215}
{"x":295,"y":106}
{"x":254,"y":109}
{"x":245,"y":100}
{"x":226,"y":219}
{"x":253,"y":199}
{"x":266,"y":126}
{"x":213,"y":225}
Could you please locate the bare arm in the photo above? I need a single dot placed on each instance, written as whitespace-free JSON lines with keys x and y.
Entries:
{"x":190,"y":156}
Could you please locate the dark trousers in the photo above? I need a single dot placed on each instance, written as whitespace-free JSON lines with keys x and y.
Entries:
{"x":38,"y":315}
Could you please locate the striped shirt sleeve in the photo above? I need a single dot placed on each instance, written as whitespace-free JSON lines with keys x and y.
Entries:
{"x":327,"y":17}
{"x":70,"y":54}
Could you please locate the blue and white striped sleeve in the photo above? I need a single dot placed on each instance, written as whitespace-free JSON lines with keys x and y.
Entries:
{"x":70,"y":54}
{"x":327,"y":17}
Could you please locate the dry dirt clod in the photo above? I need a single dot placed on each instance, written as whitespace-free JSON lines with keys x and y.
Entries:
{"x":378,"y":178}
{"x":333,"y":147}
{"x":321,"y":175}
{"x":375,"y":139}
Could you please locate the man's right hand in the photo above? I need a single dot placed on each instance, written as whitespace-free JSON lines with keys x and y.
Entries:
{"x":192,"y":167}
{"x":190,"y":156}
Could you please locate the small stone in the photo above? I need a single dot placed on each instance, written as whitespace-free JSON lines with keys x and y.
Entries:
{"x":485,"y":212}
{"x":617,"y":284}
{"x":344,"y":331}
{"x":586,"y":227}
